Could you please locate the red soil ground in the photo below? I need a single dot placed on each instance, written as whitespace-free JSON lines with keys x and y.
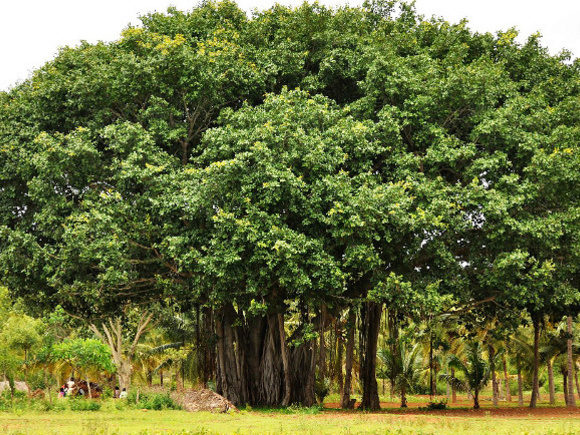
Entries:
{"x":464,"y":408}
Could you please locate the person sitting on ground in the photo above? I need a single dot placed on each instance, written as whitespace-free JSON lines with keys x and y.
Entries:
{"x":61,"y":393}
{"x":123,"y":394}
{"x":116,"y":393}
{"x":71,"y":383}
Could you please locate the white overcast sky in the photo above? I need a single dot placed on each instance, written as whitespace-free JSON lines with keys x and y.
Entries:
{"x":31,"y":31}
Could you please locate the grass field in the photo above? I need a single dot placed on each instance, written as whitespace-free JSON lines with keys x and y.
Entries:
{"x":512,"y":420}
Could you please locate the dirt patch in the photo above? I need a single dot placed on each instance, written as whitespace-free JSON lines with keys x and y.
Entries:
{"x":202,"y":400}
{"x":511,"y":412}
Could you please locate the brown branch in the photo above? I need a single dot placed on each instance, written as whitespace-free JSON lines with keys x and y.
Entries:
{"x":143,"y":323}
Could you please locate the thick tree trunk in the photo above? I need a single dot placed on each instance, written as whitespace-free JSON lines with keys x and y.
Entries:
{"x":570,"y":364}
{"x":124,"y":372}
{"x":369,"y":334}
{"x":209,"y":356}
{"x":536,"y":363}
{"x":551,"y":382}
{"x":339,"y":355}
{"x":345,"y":401}
{"x":321,"y":345}
{"x":308,"y":356}
{"x":285,"y":362}
{"x":254,"y":364}
{"x":508,"y":393}
{"x":230,"y":378}
{"x":520,"y":388}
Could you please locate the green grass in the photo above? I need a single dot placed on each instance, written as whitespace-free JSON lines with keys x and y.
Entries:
{"x":112,"y":421}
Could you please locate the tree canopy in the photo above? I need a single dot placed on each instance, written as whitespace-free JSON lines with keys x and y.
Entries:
{"x":295,"y":162}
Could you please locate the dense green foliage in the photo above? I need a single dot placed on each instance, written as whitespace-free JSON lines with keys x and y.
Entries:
{"x":271,"y":172}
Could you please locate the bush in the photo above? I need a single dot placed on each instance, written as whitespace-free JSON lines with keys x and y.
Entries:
{"x":159,"y":402}
{"x":153,"y":401}
{"x":84,"y":405}
{"x":432,"y":406}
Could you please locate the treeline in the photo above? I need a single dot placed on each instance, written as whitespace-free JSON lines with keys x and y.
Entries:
{"x":288,"y":176}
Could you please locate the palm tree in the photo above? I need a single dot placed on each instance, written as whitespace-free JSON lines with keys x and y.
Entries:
{"x":403,"y":366}
{"x":475,"y":371}
{"x":552,"y":345}
{"x":152,"y":355}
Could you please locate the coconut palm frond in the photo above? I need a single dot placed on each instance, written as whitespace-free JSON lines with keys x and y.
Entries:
{"x":456,"y":383}
{"x":160,"y":349}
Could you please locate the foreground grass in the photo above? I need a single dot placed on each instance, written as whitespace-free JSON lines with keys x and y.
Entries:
{"x":111,"y":422}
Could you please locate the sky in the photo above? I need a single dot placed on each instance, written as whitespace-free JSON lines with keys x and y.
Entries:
{"x":31,"y":31}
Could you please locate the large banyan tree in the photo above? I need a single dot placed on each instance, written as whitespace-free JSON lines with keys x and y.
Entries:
{"x":273,"y":172}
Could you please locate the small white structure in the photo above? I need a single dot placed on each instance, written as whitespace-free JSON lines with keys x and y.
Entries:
{"x":18,"y":386}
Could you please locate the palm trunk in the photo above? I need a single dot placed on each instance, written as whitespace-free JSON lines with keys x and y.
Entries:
{"x":508,"y":393}
{"x":551,"y":382}
{"x":476,"y":399}
{"x":565,"y":384}
{"x":520,"y":388}
{"x":570,"y":363}
{"x":494,"y":389}
{"x":403,"y":397}
{"x":535,"y":380}
{"x":431,"y":387}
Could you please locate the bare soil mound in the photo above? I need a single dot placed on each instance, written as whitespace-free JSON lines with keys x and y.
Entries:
{"x":202,"y":400}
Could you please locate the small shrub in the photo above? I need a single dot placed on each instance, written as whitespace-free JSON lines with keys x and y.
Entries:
{"x":159,"y":402}
{"x":432,"y":406}
{"x":153,"y":401}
